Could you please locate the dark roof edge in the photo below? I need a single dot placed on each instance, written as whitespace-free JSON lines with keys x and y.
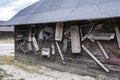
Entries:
{"x":5,"y":23}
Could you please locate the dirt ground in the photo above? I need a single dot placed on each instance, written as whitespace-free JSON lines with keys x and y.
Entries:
{"x":47,"y":74}
{"x":14,"y":72}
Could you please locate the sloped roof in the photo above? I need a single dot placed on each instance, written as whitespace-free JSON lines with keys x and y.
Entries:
{"x":46,"y":11}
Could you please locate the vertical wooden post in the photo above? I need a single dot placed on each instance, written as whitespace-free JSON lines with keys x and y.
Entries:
{"x":117,"y":31}
{"x":65,"y":45}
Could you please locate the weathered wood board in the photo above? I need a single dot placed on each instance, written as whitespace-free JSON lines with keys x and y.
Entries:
{"x":101,"y":36}
{"x":75,"y":39}
{"x":117,"y":31}
{"x":65,"y":45}
{"x":59,"y":31}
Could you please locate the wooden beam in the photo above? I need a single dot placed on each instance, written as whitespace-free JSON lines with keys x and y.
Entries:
{"x":87,"y":35}
{"x":60,"y":52}
{"x":103,"y":50}
{"x":94,"y":58}
{"x":117,"y":31}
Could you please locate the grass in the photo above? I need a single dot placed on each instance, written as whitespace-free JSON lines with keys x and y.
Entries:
{"x":6,"y":60}
{"x":9,"y":60}
{"x":26,"y":66}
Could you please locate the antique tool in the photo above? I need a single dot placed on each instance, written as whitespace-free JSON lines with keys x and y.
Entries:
{"x":94,"y":58}
{"x":60,"y":52}
{"x":35,"y":44}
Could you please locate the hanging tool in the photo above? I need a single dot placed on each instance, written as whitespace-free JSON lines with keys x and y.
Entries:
{"x":35,"y":44}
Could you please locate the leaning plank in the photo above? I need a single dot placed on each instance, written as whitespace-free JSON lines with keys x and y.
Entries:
{"x":103,"y":50}
{"x":91,"y":55}
{"x":60,"y":52}
{"x":117,"y":31}
{"x":75,"y":39}
{"x":59,"y":31}
{"x":87,"y":35}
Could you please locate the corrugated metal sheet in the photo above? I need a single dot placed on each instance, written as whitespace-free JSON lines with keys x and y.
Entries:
{"x":45,"y":11}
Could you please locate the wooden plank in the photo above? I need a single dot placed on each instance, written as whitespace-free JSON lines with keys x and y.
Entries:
{"x":94,"y":58}
{"x":75,"y":39}
{"x":117,"y":31}
{"x":59,"y":31}
{"x":65,"y":45}
{"x":87,"y":35}
{"x":81,"y":33}
{"x":101,"y":36}
{"x":60,"y":52}
{"x":103,"y":50}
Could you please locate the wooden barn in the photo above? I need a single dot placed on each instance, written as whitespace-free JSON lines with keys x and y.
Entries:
{"x":79,"y":36}
{"x":6,"y":31}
